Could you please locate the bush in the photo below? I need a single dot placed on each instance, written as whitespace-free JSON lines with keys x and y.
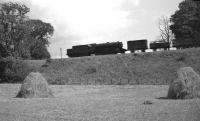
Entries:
{"x":3,"y":51}
{"x":48,"y":61}
{"x":90,"y":70}
{"x":13,"y":70}
{"x":181,"y":58}
{"x":2,"y":68}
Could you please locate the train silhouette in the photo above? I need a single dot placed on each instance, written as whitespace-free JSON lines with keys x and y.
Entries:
{"x":117,"y":47}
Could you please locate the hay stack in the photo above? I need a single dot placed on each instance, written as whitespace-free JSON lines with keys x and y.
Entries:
{"x":186,"y":86}
{"x":34,"y":86}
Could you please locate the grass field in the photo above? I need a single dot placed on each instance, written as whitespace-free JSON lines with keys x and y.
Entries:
{"x":154,"y":68}
{"x":97,"y":103}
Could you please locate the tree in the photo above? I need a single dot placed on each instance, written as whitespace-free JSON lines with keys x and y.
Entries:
{"x":186,"y":23}
{"x":40,"y":33}
{"x":13,"y":31}
{"x":164,"y":28}
{"x":20,"y":35}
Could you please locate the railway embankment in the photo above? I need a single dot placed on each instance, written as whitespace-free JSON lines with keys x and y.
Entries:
{"x":152,"y":68}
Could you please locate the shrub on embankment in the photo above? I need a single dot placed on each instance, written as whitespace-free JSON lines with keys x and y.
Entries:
{"x":141,"y":68}
{"x":14,"y":70}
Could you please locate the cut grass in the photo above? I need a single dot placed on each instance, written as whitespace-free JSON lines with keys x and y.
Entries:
{"x":97,"y":103}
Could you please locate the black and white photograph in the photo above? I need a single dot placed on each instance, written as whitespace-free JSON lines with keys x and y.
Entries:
{"x":99,"y":60}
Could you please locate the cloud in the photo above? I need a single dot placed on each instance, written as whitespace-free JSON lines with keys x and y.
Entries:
{"x":129,"y":5}
{"x":83,"y":21}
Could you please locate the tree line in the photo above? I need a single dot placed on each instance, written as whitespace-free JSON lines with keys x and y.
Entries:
{"x":21,"y":36}
{"x":184,"y":25}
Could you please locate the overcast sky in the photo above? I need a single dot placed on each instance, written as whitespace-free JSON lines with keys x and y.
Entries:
{"x":95,"y":21}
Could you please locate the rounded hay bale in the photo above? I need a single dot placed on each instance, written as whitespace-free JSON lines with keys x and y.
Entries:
{"x":34,"y":86}
{"x":186,"y":86}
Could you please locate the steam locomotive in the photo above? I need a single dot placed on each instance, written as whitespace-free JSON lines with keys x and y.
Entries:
{"x":96,"y":49}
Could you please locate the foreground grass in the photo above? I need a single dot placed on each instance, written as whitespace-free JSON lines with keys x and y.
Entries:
{"x":97,"y":103}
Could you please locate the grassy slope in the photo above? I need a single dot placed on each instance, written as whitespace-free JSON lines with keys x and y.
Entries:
{"x":141,"y":68}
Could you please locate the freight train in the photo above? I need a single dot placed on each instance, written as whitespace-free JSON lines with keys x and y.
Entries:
{"x":109,"y":48}
{"x":117,"y":47}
